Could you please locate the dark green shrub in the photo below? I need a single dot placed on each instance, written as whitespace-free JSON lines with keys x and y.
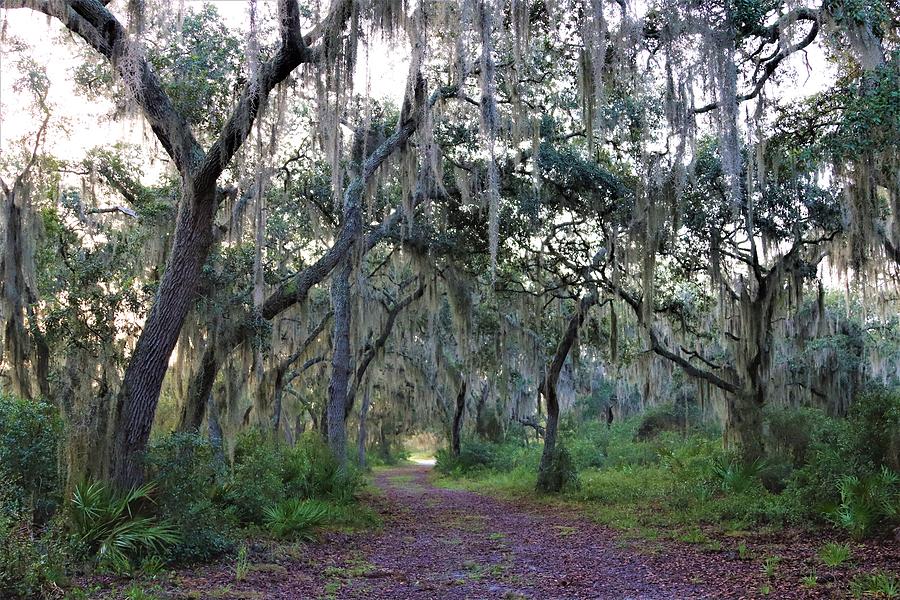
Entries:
{"x":796,"y":432}
{"x":256,"y":478}
{"x":312,"y":471}
{"x":587,"y":445}
{"x":869,"y":504}
{"x":32,"y":561}
{"x":666,"y":417}
{"x":294,"y":518}
{"x":737,"y":476}
{"x":111,"y":528}
{"x":29,"y":439}
{"x":560,"y":473}
{"x":184,"y":468}
{"x":875,"y":426}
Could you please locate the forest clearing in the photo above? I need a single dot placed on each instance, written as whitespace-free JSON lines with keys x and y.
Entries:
{"x":623,"y":276}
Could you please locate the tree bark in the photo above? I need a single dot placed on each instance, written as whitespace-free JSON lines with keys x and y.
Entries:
{"x":361,"y":439}
{"x":455,"y":441}
{"x":340,"y":362}
{"x":546,"y":481}
{"x":136,"y":406}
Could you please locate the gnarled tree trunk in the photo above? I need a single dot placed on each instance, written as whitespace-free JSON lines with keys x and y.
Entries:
{"x":456,"y":429}
{"x":547,"y":481}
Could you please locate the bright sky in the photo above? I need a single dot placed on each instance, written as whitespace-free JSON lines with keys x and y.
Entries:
{"x":382,"y":69}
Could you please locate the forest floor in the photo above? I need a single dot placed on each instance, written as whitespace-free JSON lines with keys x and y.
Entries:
{"x":439,"y":543}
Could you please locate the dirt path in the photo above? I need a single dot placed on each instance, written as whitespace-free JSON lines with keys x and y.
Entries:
{"x":459,"y":545}
{"x":454,"y":545}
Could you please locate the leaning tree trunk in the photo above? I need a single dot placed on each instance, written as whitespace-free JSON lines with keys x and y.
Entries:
{"x":455,"y":443}
{"x":143,"y":378}
{"x":548,"y":479}
{"x":340,"y":362}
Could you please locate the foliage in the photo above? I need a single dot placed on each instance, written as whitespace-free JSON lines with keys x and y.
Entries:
{"x":294,"y":518}
{"x":29,"y":438}
{"x":186,"y":474}
{"x":255,"y":481}
{"x":559,"y":473}
{"x":32,"y":561}
{"x":111,"y":529}
{"x":665,"y":417}
{"x":879,"y":584}
{"x":834,"y":555}
{"x":736,"y":475}
{"x":242,"y":563}
{"x":868,"y":504}
{"x":312,"y":471}
{"x":875,"y":427}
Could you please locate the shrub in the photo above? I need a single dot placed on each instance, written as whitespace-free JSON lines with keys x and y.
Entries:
{"x":29,"y":438}
{"x":875,"y":426}
{"x":184,"y":468}
{"x":796,"y":432}
{"x":666,"y":417}
{"x":294,"y":518}
{"x":737,"y":476}
{"x":560,"y":473}
{"x":312,"y":471}
{"x":868,"y":504}
{"x":107,"y":524}
{"x":256,"y":481}
{"x":31,"y":562}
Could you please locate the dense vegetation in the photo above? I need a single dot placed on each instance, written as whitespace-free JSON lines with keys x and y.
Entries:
{"x":640,"y":256}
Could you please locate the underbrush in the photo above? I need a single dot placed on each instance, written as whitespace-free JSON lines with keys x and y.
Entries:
{"x":195,"y":506}
{"x":643,"y":474}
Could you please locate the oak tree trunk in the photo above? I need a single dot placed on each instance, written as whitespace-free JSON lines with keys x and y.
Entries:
{"x":340,"y":362}
{"x":361,"y":440}
{"x":455,"y":443}
{"x":138,"y":398}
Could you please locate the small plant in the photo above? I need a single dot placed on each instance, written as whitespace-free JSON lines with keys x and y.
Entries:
{"x":867,"y":502}
{"x":137,"y":592}
{"x":737,"y":476}
{"x":153,"y":565}
{"x":875,"y":585}
{"x":810,"y":580}
{"x":295,"y":518}
{"x":744,"y":552}
{"x":834,"y":555}
{"x":242,"y":563}
{"x":765,"y":590}
{"x":107,"y":524}
{"x":770,"y":566}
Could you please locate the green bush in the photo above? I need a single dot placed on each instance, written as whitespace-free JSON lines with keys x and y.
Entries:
{"x":312,"y":471}
{"x":256,"y":479}
{"x":875,"y":427}
{"x":868,"y":504}
{"x":559,"y":473}
{"x":294,"y":518}
{"x":665,"y":417}
{"x":797,"y":432}
{"x":111,"y":529}
{"x":184,"y":468}
{"x":32,"y":561}
{"x":29,"y":439}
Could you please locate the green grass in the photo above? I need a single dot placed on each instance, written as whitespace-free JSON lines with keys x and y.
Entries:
{"x":879,"y":584}
{"x":834,"y":555}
